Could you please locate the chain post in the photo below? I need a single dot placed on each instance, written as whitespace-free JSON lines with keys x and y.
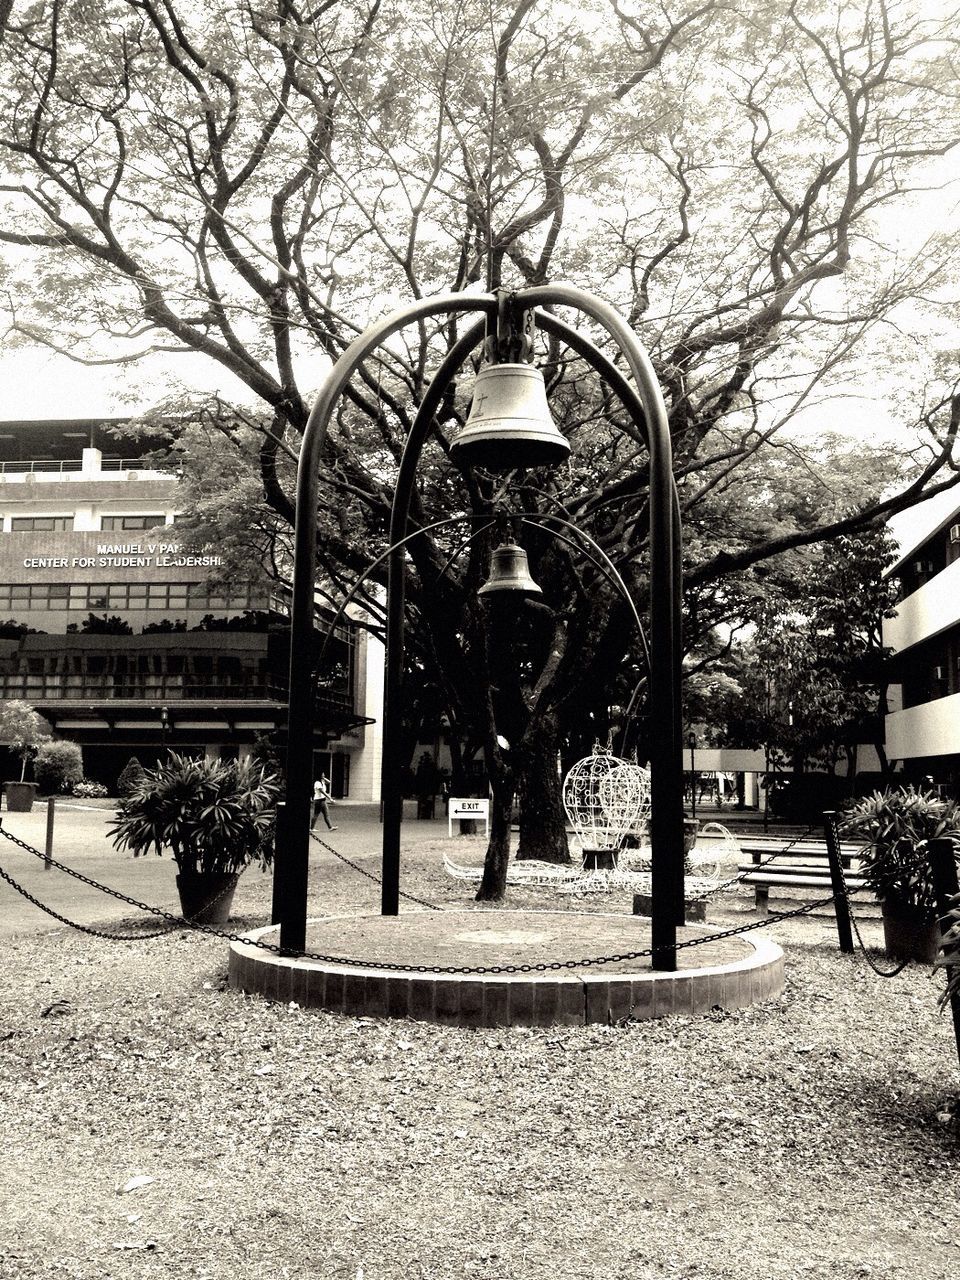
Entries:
{"x":48,"y":854}
{"x":838,"y":881}
{"x":943,"y":865}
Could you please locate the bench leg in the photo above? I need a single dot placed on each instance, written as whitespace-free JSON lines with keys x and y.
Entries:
{"x":762,"y":898}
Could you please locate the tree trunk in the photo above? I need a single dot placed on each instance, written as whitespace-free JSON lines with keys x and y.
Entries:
{"x":493,"y":885}
{"x":543,"y":831}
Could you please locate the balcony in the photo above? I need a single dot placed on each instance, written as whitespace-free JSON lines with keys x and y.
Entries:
{"x":93,"y":467}
{"x":929,"y":729}
{"x":933,"y":608}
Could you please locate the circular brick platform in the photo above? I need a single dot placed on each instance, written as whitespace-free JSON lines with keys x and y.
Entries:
{"x":732,"y":973}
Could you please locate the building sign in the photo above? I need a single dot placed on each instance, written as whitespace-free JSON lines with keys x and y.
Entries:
{"x":127,"y":555}
{"x":468,"y":809}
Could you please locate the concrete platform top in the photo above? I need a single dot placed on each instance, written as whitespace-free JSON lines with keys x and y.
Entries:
{"x":484,"y":938}
{"x":425,"y":949}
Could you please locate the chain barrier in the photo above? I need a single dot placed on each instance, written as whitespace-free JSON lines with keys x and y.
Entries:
{"x":177,"y":922}
{"x":83,"y":928}
{"x":741,"y":876}
{"x":881,"y":973}
{"x":369,"y":874}
{"x":385,"y":965}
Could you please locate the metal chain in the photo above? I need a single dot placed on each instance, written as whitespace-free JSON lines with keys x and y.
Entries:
{"x":83,"y":928}
{"x":755,"y":867}
{"x":179,"y":921}
{"x":385,"y":965}
{"x":369,"y":874}
{"x":881,"y":973}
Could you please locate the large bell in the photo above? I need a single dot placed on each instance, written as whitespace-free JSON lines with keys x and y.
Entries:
{"x":509,"y":424}
{"x":509,"y":571}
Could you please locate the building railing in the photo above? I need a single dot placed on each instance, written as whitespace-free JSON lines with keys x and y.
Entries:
{"x":71,"y":464}
{"x":133,"y":688}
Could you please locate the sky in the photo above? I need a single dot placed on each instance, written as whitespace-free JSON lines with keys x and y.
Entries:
{"x":38,"y":383}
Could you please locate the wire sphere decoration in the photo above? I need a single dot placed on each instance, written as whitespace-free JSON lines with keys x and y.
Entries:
{"x":604,"y":798}
{"x":625,"y":799}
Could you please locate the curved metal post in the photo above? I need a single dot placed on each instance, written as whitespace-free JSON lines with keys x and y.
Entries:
{"x":391,"y":790}
{"x":666,"y":763}
{"x":292,"y":857}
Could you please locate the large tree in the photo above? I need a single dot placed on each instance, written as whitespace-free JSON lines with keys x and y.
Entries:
{"x":255,"y":182}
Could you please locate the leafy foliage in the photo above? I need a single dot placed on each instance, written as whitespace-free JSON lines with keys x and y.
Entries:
{"x":212,"y":816}
{"x":58,"y":766}
{"x":896,"y":826}
{"x":130,"y":775}
{"x":100,"y":624}
{"x":811,"y":673}
{"x":22,"y":729}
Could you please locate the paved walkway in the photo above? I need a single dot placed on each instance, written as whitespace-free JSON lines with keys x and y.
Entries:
{"x":82,"y":842}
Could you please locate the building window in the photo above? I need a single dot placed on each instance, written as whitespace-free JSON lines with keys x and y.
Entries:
{"x":131,"y":524}
{"x":40,"y":524}
{"x":96,"y":597}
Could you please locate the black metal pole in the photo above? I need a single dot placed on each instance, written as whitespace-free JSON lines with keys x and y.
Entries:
{"x":943,"y":865}
{"x":290,"y":867}
{"x":391,"y":770}
{"x":666,"y":819}
{"x":840,"y":904}
{"x":48,"y":847}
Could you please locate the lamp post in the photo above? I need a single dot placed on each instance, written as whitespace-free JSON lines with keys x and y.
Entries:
{"x":535,"y":446}
{"x":164,"y":730}
{"x":692,"y":744}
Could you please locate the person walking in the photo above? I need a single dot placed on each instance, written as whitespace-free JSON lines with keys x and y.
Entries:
{"x":321,"y":802}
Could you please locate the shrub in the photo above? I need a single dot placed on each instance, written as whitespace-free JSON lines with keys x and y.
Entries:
{"x":896,"y":826}
{"x":90,"y":790}
{"x":212,"y":816}
{"x":58,"y":766}
{"x":130,"y":775}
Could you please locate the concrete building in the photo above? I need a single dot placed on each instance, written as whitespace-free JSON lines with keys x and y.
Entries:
{"x":923,"y":726}
{"x":89,"y":548}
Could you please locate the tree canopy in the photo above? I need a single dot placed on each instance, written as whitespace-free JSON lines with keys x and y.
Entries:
{"x":256,"y":182}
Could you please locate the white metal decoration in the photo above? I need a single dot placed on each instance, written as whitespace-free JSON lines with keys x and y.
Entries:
{"x":605,"y":798}
{"x":625,"y":798}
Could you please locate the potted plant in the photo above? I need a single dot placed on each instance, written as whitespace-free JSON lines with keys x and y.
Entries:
{"x":22,"y":730}
{"x":215,"y":818}
{"x":896,"y":826}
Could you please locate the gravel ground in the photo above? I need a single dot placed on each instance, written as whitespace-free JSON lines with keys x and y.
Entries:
{"x":155,"y":1123}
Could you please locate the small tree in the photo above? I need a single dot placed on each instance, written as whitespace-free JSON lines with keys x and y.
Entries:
{"x":22,"y":730}
{"x":130,"y":776}
{"x":58,"y":766}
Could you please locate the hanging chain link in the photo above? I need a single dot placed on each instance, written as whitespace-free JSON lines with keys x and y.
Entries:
{"x":741,"y":876}
{"x":881,"y":973}
{"x":176,"y":922}
{"x":369,"y":874}
{"x":385,"y":965}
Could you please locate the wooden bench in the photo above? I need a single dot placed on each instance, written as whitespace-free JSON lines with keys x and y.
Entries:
{"x":799,"y":864}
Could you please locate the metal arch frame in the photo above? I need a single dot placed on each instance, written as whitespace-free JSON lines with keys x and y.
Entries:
{"x":647,"y":407}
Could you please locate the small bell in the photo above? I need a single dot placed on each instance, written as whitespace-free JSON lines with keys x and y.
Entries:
{"x":509,"y":572}
{"x":509,"y":424}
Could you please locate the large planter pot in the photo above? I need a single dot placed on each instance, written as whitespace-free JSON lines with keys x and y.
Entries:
{"x":909,"y":932}
{"x":206,"y":896}
{"x":20,"y":796}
